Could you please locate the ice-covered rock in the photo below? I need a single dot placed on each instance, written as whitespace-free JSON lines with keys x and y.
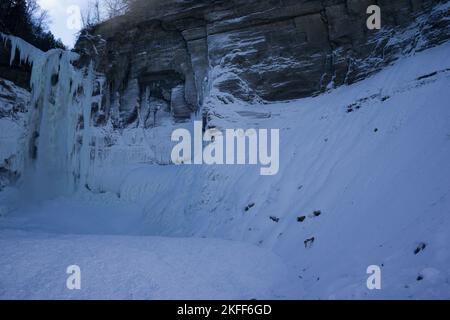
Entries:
{"x":14,"y":103}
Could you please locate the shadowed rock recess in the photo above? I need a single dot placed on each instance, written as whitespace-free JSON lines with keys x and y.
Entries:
{"x":174,"y":53}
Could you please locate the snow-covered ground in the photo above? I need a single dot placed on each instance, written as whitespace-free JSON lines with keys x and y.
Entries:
{"x":32,"y":266}
{"x":373,"y":157}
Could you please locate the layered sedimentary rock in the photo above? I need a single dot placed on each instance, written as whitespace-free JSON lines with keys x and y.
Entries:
{"x":265,"y":50}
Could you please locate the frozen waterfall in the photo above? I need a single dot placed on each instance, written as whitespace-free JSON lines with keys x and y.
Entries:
{"x":57,"y":152}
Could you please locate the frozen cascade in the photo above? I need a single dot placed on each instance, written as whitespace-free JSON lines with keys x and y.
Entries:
{"x":58,"y":149}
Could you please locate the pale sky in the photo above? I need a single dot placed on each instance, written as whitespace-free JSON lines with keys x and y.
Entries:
{"x":65,"y":18}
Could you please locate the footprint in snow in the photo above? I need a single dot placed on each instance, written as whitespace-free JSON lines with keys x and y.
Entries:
{"x":275,"y":219}
{"x":309,"y":242}
{"x":251,"y":205}
{"x":420,"y":248}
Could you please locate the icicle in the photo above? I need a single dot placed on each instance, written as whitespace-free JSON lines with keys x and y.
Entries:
{"x":87,"y":108}
{"x":28,"y":53}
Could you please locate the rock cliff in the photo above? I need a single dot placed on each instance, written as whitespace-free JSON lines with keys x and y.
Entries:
{"x":167,"y":56}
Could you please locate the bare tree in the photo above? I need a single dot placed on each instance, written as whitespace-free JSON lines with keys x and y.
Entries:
{"x":92,"y":15}
{"x":116,"y":8}
{"x":40,"y":17}
{"x":98,"y":11}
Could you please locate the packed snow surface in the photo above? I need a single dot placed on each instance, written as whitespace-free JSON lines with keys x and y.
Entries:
{"x":127,"y":267}
{"x":364,"y":176}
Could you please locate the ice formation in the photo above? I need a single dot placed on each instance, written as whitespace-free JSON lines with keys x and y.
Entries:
{"x":59,"y":118}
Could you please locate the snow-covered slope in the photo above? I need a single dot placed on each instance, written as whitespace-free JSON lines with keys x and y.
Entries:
{"x":373,"y":158}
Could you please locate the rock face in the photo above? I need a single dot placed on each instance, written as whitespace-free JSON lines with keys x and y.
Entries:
{"x":265,"y":50}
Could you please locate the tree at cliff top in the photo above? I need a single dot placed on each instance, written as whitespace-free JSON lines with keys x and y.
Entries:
{"x":25,"y":19}
{"x":98,"y":11}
